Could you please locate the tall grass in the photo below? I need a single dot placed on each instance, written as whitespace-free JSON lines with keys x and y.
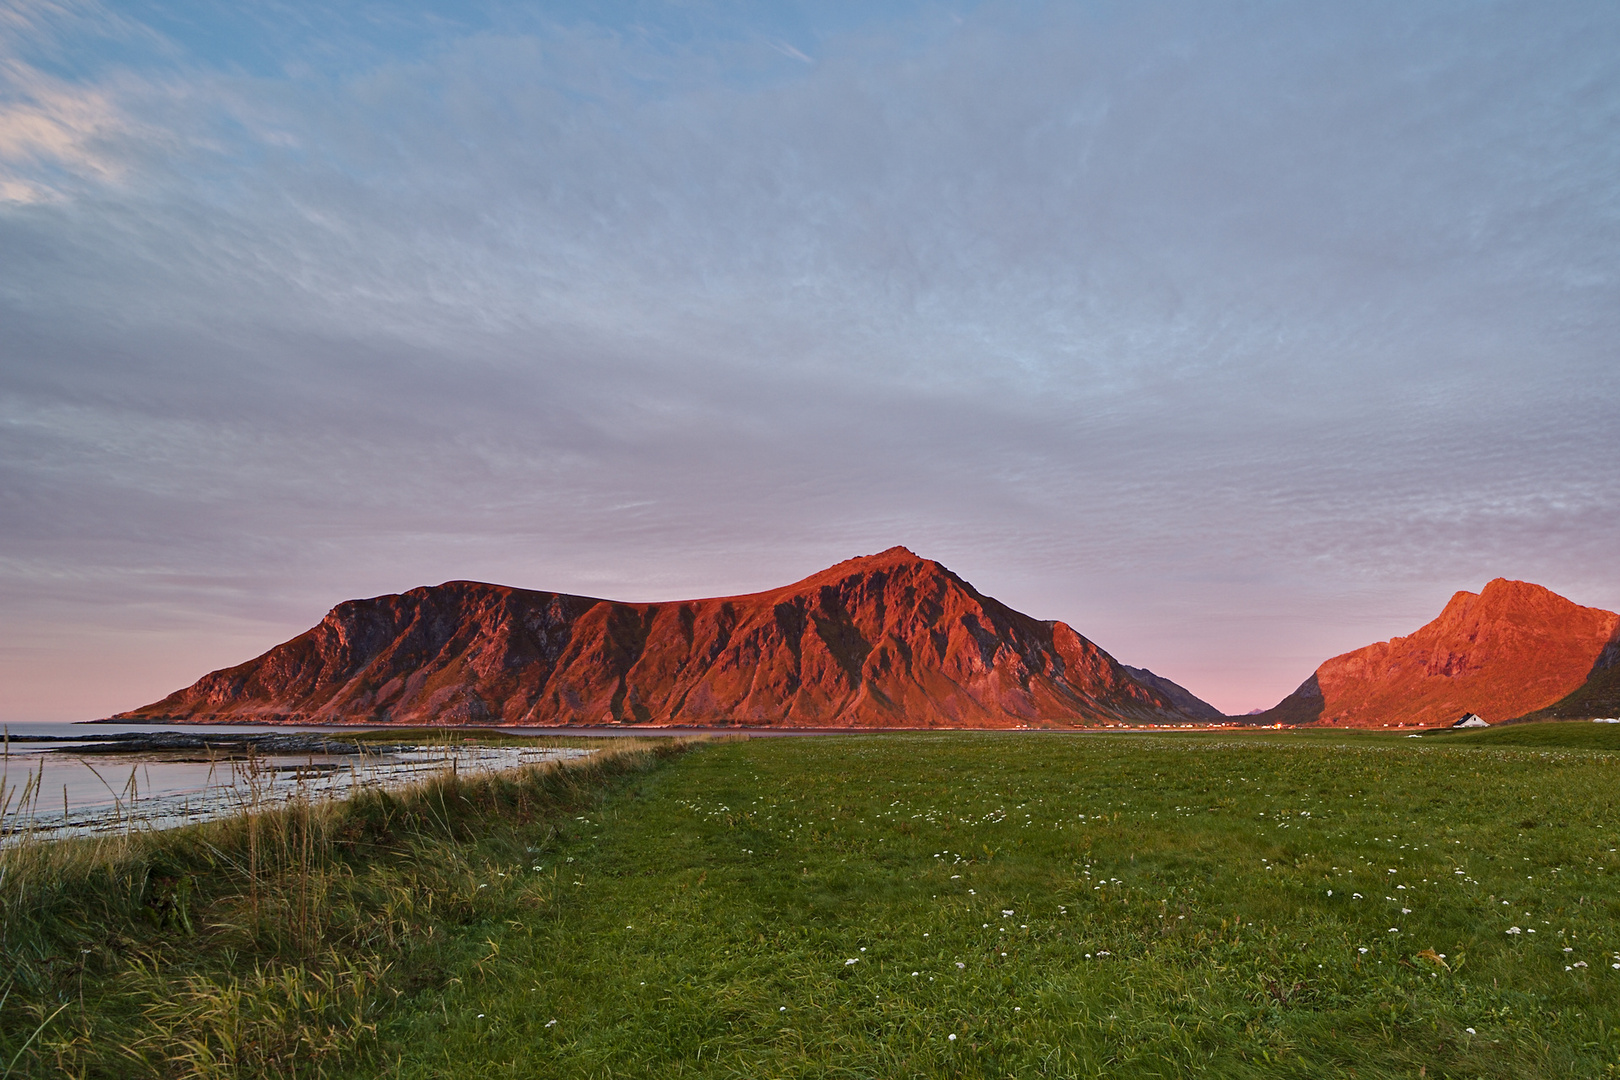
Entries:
{"x":269,"y":943}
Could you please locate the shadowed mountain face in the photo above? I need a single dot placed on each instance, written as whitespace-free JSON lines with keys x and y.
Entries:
{"x":1509,"y":650}
{"x":1599,"y":695}
{"x":1179,"y":696}
{"x":882,"y":641}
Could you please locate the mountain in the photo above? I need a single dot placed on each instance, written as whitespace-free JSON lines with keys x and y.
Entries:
{"x":1179,"y":696}
{"x":1599,"y":695}
{"x":888,"y":640}
{"x":1506,"y":651}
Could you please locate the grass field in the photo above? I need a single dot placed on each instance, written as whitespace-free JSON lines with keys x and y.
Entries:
{"x":998,"y":905}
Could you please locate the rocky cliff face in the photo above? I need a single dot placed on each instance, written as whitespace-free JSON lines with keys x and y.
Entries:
{"x":882,"y":641}
{"x":1509,"y":650}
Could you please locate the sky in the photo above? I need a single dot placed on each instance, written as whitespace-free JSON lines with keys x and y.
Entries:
{"x":1234,"y":334}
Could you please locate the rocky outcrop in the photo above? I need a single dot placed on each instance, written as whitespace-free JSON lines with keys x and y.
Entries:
{"x":888,"y":640}
{"x":1509,"y":650}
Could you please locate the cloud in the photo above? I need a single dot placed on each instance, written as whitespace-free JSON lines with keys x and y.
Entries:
{"x":46,"y":126}
{"x":1234,"y":337}
{"x":788,"y":50}
{"x":55,"y":130}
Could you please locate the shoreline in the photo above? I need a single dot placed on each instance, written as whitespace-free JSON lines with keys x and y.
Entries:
{"x":244,"y":776}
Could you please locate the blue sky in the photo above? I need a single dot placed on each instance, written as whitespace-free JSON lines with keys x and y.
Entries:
{"x":1234,"y":334}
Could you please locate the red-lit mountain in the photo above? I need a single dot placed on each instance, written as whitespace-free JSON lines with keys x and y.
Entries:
{"x":889,"y":640}
{"x":1509,"y":650}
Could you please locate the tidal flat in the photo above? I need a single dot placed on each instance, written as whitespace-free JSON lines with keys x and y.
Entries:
{"x":886,"y":905}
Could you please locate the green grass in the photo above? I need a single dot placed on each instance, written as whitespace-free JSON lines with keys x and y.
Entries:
{"x":269,"y":944}
{"x":1169,"y":900}
{"x":1574,"y":734}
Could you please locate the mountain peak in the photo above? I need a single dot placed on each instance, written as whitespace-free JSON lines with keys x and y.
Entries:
{"x":1505,"y":594}
{"x":895,"y":556}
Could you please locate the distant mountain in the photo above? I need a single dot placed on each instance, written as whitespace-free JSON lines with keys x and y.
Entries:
{"x":888,"y":640}
{"x":1509,"y":650}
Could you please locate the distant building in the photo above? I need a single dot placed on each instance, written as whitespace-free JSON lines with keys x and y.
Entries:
{"x":1471,"y":720}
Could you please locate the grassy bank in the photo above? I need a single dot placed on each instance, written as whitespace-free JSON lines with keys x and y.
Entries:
{"x":1564,"y":734}
{"x":909,"y":905}
{"x":270,"y":944}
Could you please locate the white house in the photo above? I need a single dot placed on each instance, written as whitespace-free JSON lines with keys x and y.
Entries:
{"x":1471,"y":720}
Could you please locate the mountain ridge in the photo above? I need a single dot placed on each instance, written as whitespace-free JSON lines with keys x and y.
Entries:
{"x":885,"y":640}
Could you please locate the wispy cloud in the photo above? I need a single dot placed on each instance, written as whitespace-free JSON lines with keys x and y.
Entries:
{"x":788,"y":50}
{"x":54,"y":127}
{"x":45,"y":126}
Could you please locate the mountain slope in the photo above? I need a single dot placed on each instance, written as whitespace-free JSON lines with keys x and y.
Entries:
{"x":880,"y":641}
{"x":1510,"y":649}
{"x":1178,"y":695}
{"x":1599,"y":695}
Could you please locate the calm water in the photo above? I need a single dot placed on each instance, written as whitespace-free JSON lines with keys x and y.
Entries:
{"x":47,"y":789}
{"x":100,"y":779}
